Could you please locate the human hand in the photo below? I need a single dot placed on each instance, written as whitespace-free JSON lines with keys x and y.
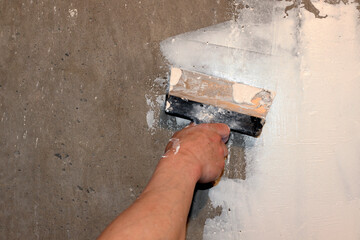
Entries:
{"x":203,"y":147}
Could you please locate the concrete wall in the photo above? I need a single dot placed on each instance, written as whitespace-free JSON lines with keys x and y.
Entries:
{"x":75,"y":148}
{"x":82,"y":129}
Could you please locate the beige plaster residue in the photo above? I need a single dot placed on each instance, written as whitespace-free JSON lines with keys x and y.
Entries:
{"x":244,"y":94}
{"x":253,"y":98}
{"x":175,"y":76}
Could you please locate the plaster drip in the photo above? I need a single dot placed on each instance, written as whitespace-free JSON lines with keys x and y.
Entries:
{"x":175,"y":145}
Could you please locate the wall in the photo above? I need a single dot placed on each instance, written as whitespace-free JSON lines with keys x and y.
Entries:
{"x":302,"y":175}
{"x":81,"y":126}
{"x":75,"y":77}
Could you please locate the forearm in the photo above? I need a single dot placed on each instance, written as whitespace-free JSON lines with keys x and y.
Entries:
{"x":161,"y":210}
{"x":194,"y":154}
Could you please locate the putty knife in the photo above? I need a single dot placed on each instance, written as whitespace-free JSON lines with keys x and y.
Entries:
{"x":206,"y":99}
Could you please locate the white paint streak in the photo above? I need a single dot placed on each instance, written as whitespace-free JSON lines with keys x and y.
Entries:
{"x":150,"y":119}
{"x":303,"y":173}
{"x":152,"y":116}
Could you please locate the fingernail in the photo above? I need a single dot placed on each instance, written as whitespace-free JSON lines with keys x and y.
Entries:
{"x":225,"y":139}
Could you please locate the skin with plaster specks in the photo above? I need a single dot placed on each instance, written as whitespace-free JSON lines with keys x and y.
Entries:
{"x":194,"y":154}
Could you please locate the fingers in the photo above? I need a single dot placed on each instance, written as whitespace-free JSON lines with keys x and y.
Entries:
{"x":226,"y":151}
{"x":220,"y":128}
{"x":203,"y":146}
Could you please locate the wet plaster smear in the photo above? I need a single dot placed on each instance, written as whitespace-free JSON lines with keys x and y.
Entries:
{"x":303,"y":173}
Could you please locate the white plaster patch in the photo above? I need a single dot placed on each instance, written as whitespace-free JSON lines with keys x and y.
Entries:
{"x":175,"y":145}
{"x":182,"y":122}
{"x":155,"y":105}
{"x":72,"y":12}
{"x":150,"y":119}
{"x":303,"y":173}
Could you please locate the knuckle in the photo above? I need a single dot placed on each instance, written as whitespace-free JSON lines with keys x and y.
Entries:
{"x":215,"y":138}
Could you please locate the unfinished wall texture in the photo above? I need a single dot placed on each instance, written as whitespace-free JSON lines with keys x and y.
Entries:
{"x":82,"y":85}
{"x":75,"y":76}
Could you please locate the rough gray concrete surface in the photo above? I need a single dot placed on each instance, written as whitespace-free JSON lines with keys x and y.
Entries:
{"x":75,"y":148}
{"x":77,"y":81}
